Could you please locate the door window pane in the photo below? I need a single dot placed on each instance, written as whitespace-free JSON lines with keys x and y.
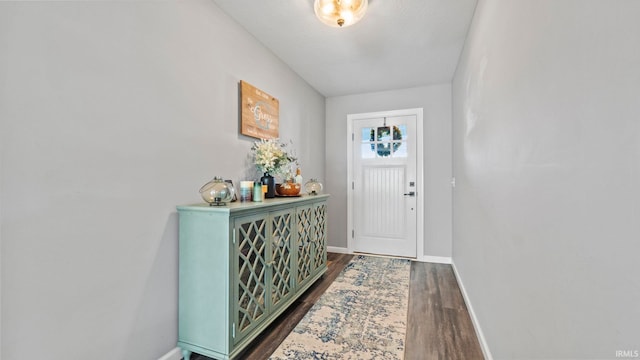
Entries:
{"x":367,"y":151}
{"x":400,"y":149}
{"x":384,"y":149}
{"x":400,"y":132}
{"x":383,"y":141}
{"x":367,"y":134}
{"x":384,"y":133}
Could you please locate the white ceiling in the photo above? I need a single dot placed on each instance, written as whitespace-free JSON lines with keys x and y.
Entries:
{"x":398,"y":44}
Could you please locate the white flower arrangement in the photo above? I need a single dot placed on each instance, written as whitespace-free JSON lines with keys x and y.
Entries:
{"x":270,"y":156}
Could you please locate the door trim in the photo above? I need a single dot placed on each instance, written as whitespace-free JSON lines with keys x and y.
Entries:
{"x":419,"y":173}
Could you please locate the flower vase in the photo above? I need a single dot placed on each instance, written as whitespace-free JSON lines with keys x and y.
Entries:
{"x":271,"y":185}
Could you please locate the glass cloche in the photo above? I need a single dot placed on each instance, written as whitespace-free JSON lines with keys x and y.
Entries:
{"x":217,"y":192}
{"x":313,"y":187}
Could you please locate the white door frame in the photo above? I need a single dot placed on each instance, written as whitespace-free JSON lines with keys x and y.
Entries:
{"x":419,"y":173}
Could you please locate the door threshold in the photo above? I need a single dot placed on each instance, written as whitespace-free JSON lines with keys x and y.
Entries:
{"x":385,"y":256}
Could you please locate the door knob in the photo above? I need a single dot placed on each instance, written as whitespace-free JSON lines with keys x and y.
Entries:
{"x":410,"y":193}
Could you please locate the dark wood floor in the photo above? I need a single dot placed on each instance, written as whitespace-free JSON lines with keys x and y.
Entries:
{"x":438,"y":324}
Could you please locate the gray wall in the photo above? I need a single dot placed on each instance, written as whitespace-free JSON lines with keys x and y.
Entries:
{"x":112,"y":113}
{"x":436,"y":102}
{"x":547,"y":161}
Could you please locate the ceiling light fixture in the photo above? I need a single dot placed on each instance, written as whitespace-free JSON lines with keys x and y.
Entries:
{"x":340,"y":13}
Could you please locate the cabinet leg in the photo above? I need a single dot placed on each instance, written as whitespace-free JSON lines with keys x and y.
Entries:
{"x":186,"y":354}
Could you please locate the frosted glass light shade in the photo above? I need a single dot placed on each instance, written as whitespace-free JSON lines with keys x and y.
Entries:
{"x":340,"y":13}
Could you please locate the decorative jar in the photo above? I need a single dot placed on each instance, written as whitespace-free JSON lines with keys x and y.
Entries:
{"x":217,"y":192}
{"x":313,"y":187}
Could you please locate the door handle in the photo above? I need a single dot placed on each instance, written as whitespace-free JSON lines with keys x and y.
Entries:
{"x":410,"y":193}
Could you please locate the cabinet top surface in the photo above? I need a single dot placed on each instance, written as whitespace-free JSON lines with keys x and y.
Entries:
{"x":237,"y":205}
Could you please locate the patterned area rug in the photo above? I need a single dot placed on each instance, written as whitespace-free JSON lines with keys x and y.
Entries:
{"x":363,"y":315}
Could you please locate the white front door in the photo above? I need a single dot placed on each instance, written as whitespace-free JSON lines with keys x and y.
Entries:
{"x":384,"y":185}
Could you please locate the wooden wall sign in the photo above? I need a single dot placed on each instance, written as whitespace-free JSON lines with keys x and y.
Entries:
{"x":260,"y":111}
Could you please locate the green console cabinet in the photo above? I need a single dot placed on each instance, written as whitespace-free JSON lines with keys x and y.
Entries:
{"x":242,"y":265}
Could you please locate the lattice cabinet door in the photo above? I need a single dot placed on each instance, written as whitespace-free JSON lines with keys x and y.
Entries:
{"x":319,"y":243}
{"x":250,"y":271}
{"x":304,"y":247}
{"x":281,"y":260}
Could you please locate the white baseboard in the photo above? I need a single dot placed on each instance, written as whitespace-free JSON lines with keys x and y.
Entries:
{"x":339,"y":250}
{"x":423,"y":258}
{"x":175,"y":354}
{"x":434,"y":259}
{"x":483,"y":342}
